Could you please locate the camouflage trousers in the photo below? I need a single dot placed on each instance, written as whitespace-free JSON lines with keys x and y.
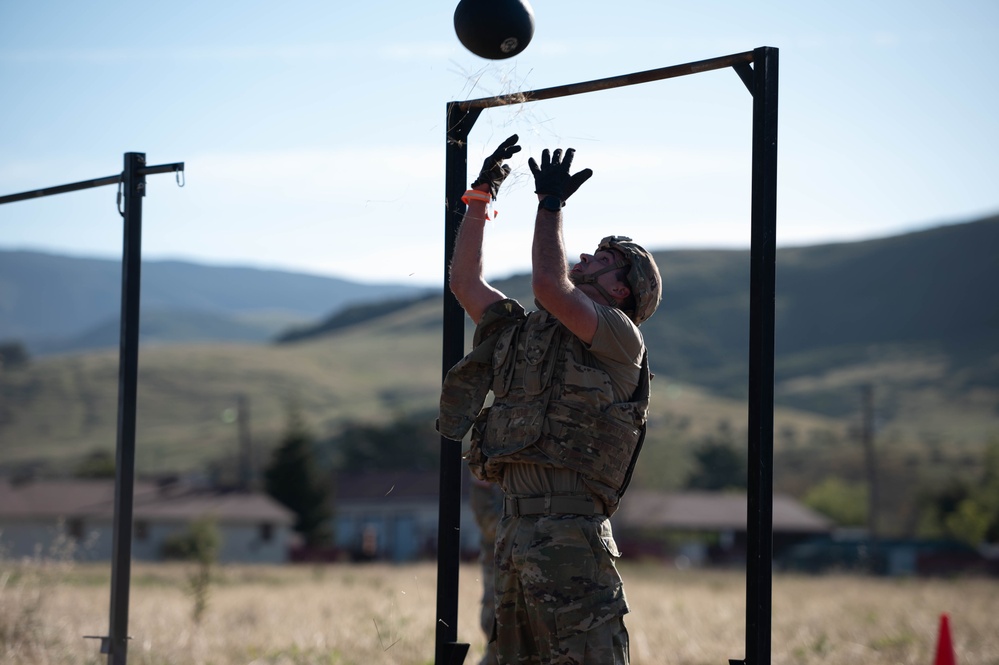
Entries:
{"x":559,"y":597}
{"x":486,"y":500}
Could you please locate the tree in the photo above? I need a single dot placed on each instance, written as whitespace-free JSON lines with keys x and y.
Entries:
{"x":937,"y":504}
{"x":295,"y":479}
{"x":967,"y":511}
{"x":969,"y":523}
{"x":408,"y":442}
{"x":844,"y":503}
{"x":97,"y":464}
{"x":988,"y":490}
{"x":199,"y":542}
{"x":13,"y":354}
{"x":718,"y":463}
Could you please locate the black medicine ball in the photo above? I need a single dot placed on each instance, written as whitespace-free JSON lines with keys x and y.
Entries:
{"x":494,"y":29}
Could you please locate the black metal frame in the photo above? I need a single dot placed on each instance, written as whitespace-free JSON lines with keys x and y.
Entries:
{"x":758,"y":71}
{"x":132,"y":187}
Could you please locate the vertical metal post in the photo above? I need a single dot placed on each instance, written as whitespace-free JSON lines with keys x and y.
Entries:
{"x":447,"y":649}
{"x":763,"y":255}
{"x":247,"y":467}
{"x":134,"y":188}
{"x":132,"y":184}
{"x":870,"y":460}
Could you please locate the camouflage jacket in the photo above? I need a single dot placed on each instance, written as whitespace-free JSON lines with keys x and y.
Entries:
{"x":550,"y":399}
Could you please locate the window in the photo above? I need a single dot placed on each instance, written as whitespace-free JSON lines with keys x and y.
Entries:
{"x":74,"y":528}
{"x":266,"y":532}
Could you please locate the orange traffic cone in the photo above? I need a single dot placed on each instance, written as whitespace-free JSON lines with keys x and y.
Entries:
{"x":945,"y":648}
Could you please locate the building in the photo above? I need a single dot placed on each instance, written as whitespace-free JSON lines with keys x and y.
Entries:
{"x":393,"y":515}
{"x":706,"y":527}
{"x":75,"y":518}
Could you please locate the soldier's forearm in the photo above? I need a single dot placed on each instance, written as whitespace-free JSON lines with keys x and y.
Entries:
{"x":466,"y":274}
{"x":467,"y":263}
{"x":548,"y":258}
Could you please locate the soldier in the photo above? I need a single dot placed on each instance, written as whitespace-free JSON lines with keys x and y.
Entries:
{"x":570,"y":383}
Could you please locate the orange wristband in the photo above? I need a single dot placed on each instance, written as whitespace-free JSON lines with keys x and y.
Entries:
{"x":475,"y":195}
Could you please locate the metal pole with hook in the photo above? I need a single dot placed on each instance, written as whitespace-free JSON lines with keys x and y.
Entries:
{"x":131,"y":188}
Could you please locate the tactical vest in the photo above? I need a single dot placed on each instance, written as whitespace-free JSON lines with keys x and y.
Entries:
{"x":550,"y":397}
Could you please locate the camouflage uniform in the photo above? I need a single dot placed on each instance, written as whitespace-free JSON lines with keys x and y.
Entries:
{"x":559,"y":597}
{"x":487,"y":505}
{"x":560,"y":438}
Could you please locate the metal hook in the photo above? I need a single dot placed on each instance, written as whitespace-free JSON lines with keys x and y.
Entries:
{"x":180,"y":176}
{"x":121,"y":185}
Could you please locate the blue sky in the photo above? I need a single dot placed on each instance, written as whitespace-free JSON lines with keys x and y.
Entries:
{"x":313,"y":132}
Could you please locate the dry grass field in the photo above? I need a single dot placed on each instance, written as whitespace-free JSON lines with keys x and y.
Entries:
{"x":378,"y":613}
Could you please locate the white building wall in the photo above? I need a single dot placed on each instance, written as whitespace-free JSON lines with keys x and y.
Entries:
{"x":382,"y":518}
{"x":245,"y":543}
{"x":241,"y":543}
{"x":48,"y":539}
{"x":27,"y":539}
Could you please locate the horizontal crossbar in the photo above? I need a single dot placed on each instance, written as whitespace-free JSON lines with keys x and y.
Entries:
{"x":673,"y":71}
{"x":88,"y":184}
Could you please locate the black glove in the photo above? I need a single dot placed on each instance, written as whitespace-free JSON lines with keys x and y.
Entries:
{"x":494,"y":171}
{"x":552,"y":177}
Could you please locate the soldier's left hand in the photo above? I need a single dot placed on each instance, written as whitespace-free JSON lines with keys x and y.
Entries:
{"x":552,"y":177}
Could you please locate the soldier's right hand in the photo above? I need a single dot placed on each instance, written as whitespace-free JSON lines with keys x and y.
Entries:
{"x":494,"y":171}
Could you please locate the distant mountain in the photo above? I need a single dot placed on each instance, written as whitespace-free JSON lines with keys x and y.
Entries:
{"x":354,"y":315}
{"x":928,"y":294}
{"x":915,"y":316}
{"x":57,"y":303}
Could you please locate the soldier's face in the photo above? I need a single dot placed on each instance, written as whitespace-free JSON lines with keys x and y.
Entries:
{"x":598,"y":267}
{"x":590,"y":264}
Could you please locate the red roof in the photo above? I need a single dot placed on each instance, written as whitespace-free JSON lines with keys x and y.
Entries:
{"x":711,"y":510}
{"x":53,"y":499}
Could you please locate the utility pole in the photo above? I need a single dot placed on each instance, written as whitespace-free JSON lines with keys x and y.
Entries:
{"x":247,"y":470}
{"x":870,"y":459}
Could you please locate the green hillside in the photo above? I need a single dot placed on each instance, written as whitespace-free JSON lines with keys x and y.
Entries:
{"x":59,"y":409}
{"x":63,"y":407}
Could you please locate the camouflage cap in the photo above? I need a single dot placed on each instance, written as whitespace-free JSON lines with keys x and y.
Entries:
{"x":643,"y":276}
